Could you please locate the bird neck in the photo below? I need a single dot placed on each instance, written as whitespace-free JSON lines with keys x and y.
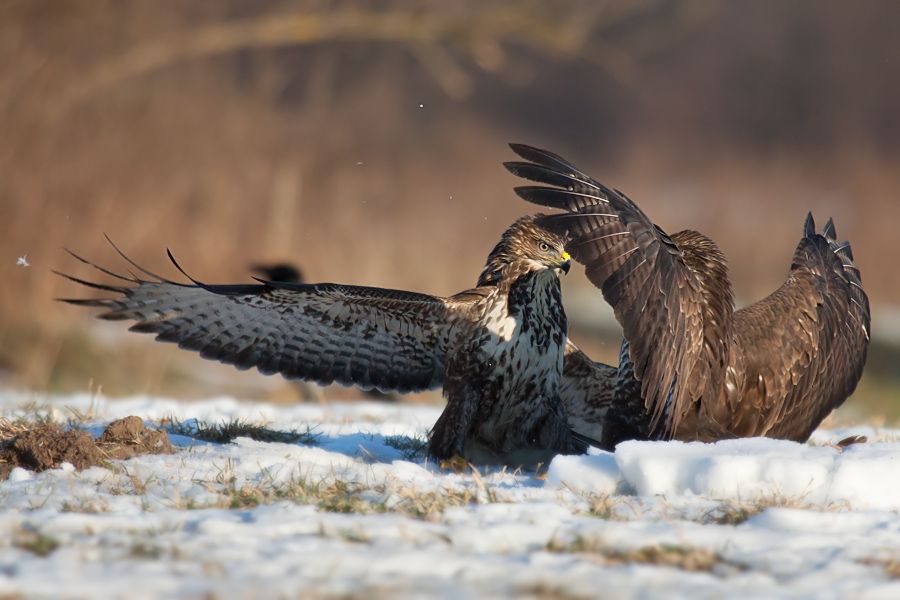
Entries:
{"x":493,"y":271}
{"x":501,"y":266}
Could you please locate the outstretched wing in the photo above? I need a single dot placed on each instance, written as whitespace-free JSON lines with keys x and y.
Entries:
{"x":370,"y":337}
{"x":676,"y":346}
{"x":817,"y":323}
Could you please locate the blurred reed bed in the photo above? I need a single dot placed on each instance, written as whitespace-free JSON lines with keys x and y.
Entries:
{"x":364,"y":143}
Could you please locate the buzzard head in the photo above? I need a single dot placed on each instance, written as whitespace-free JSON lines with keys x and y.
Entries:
{"x":523,"y":248}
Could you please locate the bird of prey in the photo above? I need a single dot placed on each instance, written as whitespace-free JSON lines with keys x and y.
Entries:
{"x":496,"y":349}
{"x":691,"y":366}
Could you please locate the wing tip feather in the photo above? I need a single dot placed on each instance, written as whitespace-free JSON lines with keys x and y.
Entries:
{"x":809,"y":226}
{"x":829,"y":231}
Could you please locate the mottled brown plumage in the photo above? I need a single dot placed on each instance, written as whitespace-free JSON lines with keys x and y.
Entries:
{"x":692,"y":367}
{"x":309,"y":391}
{"x":496,"y":348}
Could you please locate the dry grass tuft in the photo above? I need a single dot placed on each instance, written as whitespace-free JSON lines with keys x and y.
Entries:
{"x":30,"y":415}
{"x":735,"y":512}
{"x":349,"y":497}
{"x":686,"y":558}
{"x":35,"y":542}
{"x":605,"y":506}
{"x":85,"y":505}
{"x":890,"y":566}
{"x":11,"y":429}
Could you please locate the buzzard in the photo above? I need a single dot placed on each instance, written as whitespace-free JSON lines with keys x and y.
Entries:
{"x":691,"y":366}
{"x":496,"y":349}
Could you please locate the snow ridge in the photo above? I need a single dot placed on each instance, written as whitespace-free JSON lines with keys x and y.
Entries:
{"x":858,"y":476}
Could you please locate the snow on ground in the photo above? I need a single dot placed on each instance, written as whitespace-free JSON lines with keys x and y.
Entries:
{"x":360,"y":514}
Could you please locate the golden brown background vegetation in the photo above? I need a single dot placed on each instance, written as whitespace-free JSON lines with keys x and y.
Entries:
{"x":363,"y":140}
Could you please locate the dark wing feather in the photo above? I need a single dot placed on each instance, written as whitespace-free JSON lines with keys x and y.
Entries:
{"x":818,"y":323}
{"x":641,"y":270}
{"x":370,"y":337}
{"x":587,"y":391}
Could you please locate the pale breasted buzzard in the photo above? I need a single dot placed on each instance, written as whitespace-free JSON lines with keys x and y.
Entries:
{"x":496,"y":349}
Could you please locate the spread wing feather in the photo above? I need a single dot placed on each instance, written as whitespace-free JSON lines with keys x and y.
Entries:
{"x":818,"y":323}
{"x":641,"y":271}
{"x":326,"y":332}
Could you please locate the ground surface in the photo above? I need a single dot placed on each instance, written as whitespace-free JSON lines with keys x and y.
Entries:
{"x":354,"y":511}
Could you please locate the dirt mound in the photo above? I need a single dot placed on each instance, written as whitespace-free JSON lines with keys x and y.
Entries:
{"x":48,"y":445}
{"x":128,"y":437}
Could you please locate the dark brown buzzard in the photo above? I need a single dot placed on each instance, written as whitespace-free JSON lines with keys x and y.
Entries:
{"x":496,"y":349}
{"x":691,"y":366}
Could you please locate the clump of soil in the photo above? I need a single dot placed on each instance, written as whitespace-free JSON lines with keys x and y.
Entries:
{"x":47,"y":445}
{"x":128,"y":437}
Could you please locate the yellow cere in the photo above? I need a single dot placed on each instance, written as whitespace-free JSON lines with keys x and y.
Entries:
{"x":565,"y":255}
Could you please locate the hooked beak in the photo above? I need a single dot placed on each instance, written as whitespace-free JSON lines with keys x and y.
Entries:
{"x":565,"y":263}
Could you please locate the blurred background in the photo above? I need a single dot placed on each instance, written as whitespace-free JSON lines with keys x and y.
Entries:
{"x":363,"y":141}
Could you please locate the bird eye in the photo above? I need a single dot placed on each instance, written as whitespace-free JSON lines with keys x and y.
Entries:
{"x":544,"y":247}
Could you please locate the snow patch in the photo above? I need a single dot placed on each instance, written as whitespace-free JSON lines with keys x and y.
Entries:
{"x":860,"y":476}
{"x":597,"y":474}
{"x":230,"y":520}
